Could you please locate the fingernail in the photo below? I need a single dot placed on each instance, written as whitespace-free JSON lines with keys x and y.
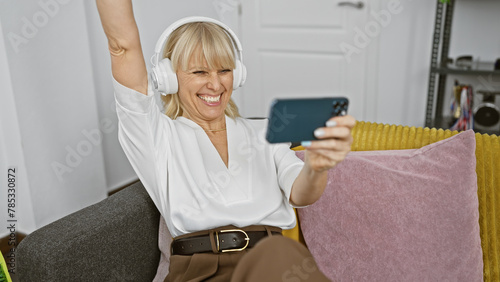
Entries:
{"x":331,"y":123}
{"x":319,"y":132}
{"x":305,"y":143}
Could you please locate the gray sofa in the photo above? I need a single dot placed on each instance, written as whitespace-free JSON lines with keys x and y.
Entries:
{"x":113,"y":240}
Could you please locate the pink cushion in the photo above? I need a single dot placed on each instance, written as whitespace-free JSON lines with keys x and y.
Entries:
{"x":407,"y":215}
{"x":164,"y":241}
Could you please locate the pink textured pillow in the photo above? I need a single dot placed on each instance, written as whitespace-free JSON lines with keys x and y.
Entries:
{"x":164,"y":240}
{"x":406,"y":215}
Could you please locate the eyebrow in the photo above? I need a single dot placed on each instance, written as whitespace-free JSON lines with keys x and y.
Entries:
{"x":200,"y":68}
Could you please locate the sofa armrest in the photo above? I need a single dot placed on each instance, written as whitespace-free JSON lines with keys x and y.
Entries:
{"x":113,"y":240}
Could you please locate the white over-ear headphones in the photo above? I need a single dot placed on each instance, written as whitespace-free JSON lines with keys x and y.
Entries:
{"x":164,"y":78}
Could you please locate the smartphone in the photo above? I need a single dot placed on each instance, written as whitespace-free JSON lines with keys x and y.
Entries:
{"x":294,"y":120}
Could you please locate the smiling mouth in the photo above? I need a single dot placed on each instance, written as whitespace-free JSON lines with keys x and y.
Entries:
{"x":210,"y":99}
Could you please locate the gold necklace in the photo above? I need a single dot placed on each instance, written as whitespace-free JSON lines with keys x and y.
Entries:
{"x":214,"y":130}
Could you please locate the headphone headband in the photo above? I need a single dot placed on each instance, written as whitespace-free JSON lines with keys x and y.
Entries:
{"x":161,"y":44}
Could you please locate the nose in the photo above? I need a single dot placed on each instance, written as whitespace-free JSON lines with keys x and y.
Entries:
{"x":214,"y":81}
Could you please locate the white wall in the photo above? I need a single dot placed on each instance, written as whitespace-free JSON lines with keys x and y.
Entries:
{"x":11,"y":155}
{"x":49,"y":66}
{"x":404,"y":60}
{"x":475,"y":30}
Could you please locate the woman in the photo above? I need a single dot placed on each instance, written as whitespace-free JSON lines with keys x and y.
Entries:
{"x":219,"y":186}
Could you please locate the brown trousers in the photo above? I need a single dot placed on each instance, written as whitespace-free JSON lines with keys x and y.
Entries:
{"x":275,"y":258}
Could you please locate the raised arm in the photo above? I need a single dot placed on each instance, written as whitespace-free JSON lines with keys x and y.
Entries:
{"x":127,"y":61}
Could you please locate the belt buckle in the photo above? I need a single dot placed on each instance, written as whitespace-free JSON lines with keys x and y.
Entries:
{"x":247,"y":239}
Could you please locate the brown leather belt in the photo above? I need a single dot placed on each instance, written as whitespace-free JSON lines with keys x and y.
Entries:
{"x":229,"y":240}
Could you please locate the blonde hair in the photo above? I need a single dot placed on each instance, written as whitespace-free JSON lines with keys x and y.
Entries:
{"x":209,"y":42}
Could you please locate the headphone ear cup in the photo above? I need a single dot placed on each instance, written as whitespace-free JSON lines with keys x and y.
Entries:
{"x":239,"y":74}
{"x":166,"y":78}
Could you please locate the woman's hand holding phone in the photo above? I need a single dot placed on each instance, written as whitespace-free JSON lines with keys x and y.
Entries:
{"x":331,"y":146}
{"x":321,"y":125}
{"x":335,"y":140}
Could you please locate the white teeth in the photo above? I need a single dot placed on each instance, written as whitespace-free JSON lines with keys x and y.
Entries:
{"x":210,"y":99}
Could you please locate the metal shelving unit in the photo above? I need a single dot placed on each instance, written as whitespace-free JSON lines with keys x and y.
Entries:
{"x":440,"y":68}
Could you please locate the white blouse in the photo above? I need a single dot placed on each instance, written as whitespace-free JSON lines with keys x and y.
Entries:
{"x":186,"y":177}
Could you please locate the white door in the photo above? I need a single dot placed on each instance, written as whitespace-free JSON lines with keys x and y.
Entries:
{"x":305,"y":48}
